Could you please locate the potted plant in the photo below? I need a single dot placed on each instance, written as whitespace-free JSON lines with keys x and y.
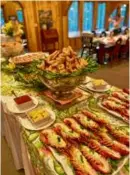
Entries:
{"x":13,"y":30}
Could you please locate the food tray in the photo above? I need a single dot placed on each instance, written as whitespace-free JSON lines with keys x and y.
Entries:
{"x":27,"y":58}
{"x":111,"y":112}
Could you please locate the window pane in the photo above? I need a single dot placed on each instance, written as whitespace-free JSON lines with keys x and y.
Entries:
{"x":114,"y":13}
{"x":88,"y":16}
{"x":73,"y":17}
{"x":20,"y":15}
{"x":123,"y":14}
{"x":2,"y":21}
{"x":101,"y":16}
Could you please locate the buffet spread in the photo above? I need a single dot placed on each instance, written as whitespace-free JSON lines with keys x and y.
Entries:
{"x":72,"y":124}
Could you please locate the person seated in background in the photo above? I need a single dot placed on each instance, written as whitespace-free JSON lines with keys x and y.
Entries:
{"x":103,"y":34}
{"x":94,"y":33}
{"x":111,"y":34}
{"x":116,"y":23}
{"x":126,"y":31}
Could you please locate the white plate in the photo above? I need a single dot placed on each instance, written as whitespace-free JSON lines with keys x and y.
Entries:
{"x":12,"y":107}
{"x":90,"y":87}
{"x":87,"y":79}
{"x":112,"y":112}
{"x":26,"y":123}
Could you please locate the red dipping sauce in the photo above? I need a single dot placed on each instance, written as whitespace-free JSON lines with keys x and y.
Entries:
{"x":22,"y":99}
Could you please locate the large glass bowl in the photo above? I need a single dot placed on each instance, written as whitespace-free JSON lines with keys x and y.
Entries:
{"x":10,"y":49}
{"x":63,"y":87}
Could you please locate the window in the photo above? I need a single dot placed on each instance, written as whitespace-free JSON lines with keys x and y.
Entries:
{"x":88,"y":16}
{"x":123,"y":13}
{"x":73,"y":17}
{"x":114,"y":13}
{"x":20,"y":15}
{"x":101,"y":16}
{"x":2,"y":21}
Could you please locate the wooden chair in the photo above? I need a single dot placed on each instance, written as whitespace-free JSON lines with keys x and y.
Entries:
{"x":116,"y":51}
{"x":117,"y":31}
{"x":124,"y":50}
{"x":94,"y":33}
{"x":87,"y":40}
{"x":102,"y":52}
{"x":126,"y":31}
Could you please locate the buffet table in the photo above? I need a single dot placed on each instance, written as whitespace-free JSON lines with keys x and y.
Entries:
{"x":26,"y":151}
{"x":57,"y":121}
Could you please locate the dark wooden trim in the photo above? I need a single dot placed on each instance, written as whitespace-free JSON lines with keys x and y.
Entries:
{"x":80,"y":19}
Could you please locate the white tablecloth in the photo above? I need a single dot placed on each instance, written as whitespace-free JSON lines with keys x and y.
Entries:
{"x":110,"y":41}
{"x":12,"y":134}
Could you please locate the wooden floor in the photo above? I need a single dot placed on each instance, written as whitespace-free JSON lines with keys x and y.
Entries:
{"x":117,"y":75}
{"x":7,"y":164}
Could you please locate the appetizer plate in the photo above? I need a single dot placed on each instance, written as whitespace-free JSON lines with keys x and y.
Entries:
{"x":26,"y":123}
{"x":87,"y":80}
{"x":20,"y":56}
{"x":90,"y":87}
{"x":110,"y":111}
{"x":12,"y":107}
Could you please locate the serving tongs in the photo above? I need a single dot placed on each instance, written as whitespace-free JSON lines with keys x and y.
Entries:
{"x":14,"y":93}
{"x":86,"y":89}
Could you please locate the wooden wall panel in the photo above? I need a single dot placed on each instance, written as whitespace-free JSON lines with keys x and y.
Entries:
{"x":60,"y":20}
{"x":30,"y":26}
{"x":57,"y":19}
{"x":65,"y":31}
{"x":78,"y":43}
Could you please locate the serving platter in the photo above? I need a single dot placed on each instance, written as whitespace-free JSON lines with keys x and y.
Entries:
{"x":26,"y":123}
{"x":87,"y":79}
{"x":63,"y":131}
{"x":27,"y":57}
{"x":114,"y":113}
{"x":89,"y":86}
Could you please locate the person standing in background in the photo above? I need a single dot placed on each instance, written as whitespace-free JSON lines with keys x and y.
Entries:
{"x":116,"y":23}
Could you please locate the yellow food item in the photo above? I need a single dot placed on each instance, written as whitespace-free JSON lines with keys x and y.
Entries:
{"x":11,"y":66}
{"x":98,"y":82}
{"x":38,"y":114}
